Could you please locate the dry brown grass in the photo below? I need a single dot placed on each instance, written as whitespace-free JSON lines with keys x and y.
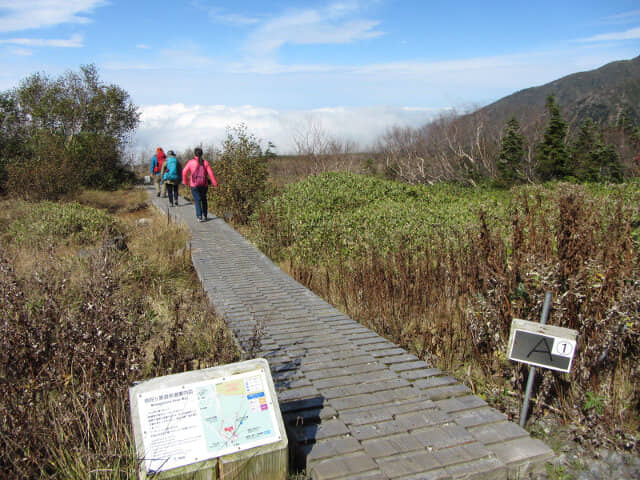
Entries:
{"x":123,"y":202}
{"x":81,"y":322}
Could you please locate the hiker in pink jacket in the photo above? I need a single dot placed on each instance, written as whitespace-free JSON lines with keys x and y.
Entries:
{"x":196,"y":174}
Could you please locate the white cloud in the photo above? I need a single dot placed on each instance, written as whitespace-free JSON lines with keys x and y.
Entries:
{"x":185,"y":57}
{"x":333,"y":24}
{"x":268,"y":66}
{"x":504,"y":73}
{"x":234,"y":19}
{"x":632,"y":34}
{"x":224,"y":16}
{"x":21,"y":52}
{"x":143,"y":46}
{"x":180,"y":126}
{"x":31,"y":14}
{"x":450,"y":66}
{"x":167,"y":59}
{"x":73,"y":42}
{"x":463,"y":83}
{"x":625,"y":17}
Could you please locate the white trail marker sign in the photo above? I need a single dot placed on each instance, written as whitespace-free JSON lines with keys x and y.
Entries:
{"x":540,"y":345}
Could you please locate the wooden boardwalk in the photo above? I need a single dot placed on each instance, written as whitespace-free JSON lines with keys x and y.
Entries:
{"x":356,"y":406}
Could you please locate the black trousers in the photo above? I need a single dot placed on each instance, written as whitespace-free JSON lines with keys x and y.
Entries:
{"x":172,"y":192}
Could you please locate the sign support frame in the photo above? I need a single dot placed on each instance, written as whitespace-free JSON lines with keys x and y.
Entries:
{"x":532,"y":370}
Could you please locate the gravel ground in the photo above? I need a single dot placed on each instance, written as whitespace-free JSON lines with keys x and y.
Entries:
{"x":576,"y":461}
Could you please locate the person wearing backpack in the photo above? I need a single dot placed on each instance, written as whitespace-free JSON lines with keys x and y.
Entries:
{"x":197,"y":173}
{"x":171,"y":175}
{"x":156,"y":168}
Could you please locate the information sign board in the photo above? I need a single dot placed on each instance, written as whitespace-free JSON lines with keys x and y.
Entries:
{"x":182,"y":424}
{"x":541,"y":345}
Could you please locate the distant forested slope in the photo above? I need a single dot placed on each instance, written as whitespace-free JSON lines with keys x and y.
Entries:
{"x":603,"y":94}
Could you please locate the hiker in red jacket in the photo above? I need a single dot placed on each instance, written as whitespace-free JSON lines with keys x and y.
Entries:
{"x":156,"y":168}
{"x":196,"y":174}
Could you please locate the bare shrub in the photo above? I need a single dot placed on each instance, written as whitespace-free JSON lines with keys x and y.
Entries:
{"x":404,"y":151}
{"x":58,"y":359}
{"x":450,"y":148}
{"x":319,"y":152}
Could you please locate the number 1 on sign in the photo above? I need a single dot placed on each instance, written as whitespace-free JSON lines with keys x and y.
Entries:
{"x":563,"y":347}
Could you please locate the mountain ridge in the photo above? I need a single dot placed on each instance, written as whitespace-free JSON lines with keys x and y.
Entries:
{"x":603,"y":94}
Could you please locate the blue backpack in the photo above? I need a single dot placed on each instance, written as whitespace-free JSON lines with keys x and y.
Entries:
{"x":173,"y":172}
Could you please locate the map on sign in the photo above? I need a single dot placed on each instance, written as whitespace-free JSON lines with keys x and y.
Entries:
{"x":234,"y":412}
{"x":196,"y":422}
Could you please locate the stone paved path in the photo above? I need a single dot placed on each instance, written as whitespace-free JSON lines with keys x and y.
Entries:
{"x":356,"y":406}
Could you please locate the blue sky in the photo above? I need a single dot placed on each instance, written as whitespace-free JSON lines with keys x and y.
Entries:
{"x":352,"y":68}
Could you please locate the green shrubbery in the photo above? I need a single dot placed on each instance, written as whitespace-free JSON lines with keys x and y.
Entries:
{"x":62,"y":223}
{"x":241,"y":172}
{"x":343,"y":212}
{"x":443,"y":270}
{"x":57,"y":135}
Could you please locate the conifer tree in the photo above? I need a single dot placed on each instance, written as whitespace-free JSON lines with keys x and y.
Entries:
{"x":607,"y":163}
{"x":592,"y":160}
{"x":582,"y":153}
{"x":551,"y":154}
{"x":510,"y":171}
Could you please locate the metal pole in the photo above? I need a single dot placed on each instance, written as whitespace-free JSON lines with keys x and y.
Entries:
{"x":532,"y":370}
